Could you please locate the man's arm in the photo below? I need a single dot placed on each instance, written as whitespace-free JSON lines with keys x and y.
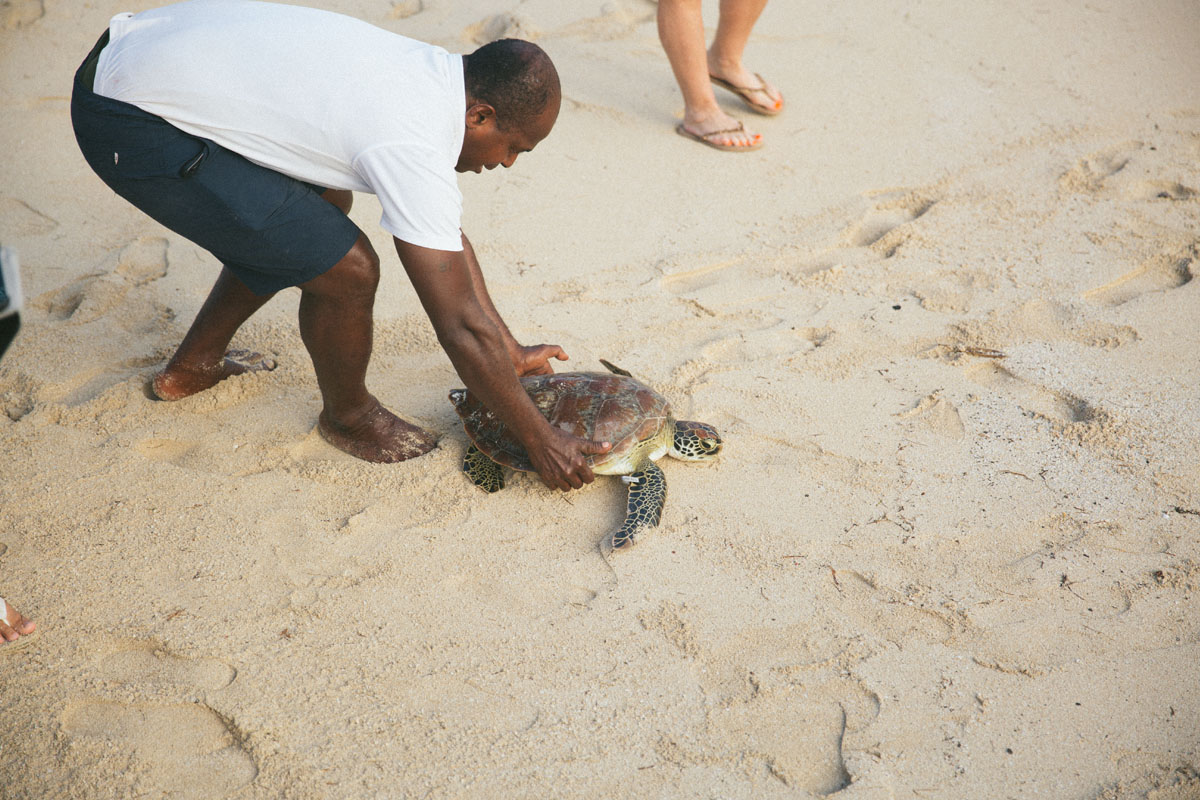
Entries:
{"x":477,"y":342}
{"x":534,"y":360}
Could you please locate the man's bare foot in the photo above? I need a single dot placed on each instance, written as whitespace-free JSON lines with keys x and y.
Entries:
{"x":378,"y":436}
{"x":177,"y":381}
{"x":12,"y":625}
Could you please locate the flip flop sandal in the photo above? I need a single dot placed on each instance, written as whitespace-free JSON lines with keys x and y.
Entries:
{"x":745,"y":93}
{"x":708,"y":139}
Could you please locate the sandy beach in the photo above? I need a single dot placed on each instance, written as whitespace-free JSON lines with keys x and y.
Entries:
{"x":945,"y":321}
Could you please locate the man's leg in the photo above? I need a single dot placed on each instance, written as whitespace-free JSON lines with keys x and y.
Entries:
{"x":341,"y":199}
{"x":336,"y":319}
{"x":201,"y":360}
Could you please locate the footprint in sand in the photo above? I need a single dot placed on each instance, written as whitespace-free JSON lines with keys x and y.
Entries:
{"x":144,"y":260}
{"x":88,"y":384}
{"x":171,"y":451}
{"x":878,"y":228}
{"x":787,"y":708}
{"x":1160,"y":190}
{"x":938,"y":414}
{"x":693,"y":280}
{"x":1059,"y":407}
{"x":403,"y":9}
{"x":90,"y":297}
{"x":1089,"y":174}
{"x":83,"y":299}
{"x":618,"y":19}
{"x":777,"y":340}
{"x":215,"y":455}
{"x":147,"y":662}
{"x":20,"y":13}
{"x":802,"y":703}
{"x":500,"y":26}
{"x":1159,"y":777}
{"x":1038,"y":320}
{"x":1157,"y":274}
{"x":183,"y":751}
{"x":19,"y":397}
{"x":799,"y":741}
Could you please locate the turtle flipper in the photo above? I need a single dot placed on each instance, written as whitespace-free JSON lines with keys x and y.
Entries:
{"x":483,"y":472}
{"x":647,"y":496}
{"x":614,"y":368}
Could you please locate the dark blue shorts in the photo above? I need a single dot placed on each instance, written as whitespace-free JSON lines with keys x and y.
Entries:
{"x":272,"y":231}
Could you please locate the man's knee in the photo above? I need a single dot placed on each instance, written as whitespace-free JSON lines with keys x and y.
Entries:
{"x":361,"y":267}
{"x":357,"y":273}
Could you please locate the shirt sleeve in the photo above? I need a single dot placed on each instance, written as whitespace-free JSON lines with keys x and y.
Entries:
{"x":420,"y":198}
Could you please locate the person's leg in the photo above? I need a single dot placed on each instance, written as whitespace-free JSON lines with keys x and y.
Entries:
{"x":681,"y":31}
{"x":201,"y":361}
{"x":342,"y":199}
{"x":12,"y":624}
{"x":336,"y":318}
{"x":725,"y":55}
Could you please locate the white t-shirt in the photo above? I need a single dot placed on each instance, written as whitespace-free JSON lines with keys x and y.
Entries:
{"x":322,"y":97}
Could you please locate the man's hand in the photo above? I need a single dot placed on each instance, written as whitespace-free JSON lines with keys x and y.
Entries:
{"x":561,"y":460}
{"x":467,"y":327}
{"x":535,"y":360}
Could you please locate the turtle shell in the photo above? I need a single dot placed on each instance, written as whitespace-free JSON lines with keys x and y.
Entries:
{"x":591,"y":405}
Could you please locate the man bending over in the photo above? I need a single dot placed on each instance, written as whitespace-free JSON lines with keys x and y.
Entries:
{"x":246,"y":126}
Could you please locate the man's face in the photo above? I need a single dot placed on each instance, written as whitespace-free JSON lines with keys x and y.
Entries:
{"x":486,"y":146}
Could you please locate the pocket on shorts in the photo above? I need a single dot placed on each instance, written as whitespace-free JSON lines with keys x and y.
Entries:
{"x":252,"y":195}
{"x":168,"y":154}
{"x":136,"y":146}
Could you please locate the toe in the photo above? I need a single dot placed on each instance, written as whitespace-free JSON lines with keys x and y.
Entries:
{"x":767,"y":98}
{"x":741,"y":139}
{"x":160,"y":385}
{"x":15,"y":626}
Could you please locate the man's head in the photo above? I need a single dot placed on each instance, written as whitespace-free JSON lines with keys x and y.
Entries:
{"x":513,"y":97}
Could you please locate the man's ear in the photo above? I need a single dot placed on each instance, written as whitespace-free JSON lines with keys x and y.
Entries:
{"x":480,"y":115}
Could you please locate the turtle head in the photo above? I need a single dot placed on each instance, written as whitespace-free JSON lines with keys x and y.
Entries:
{"x":695,"y":441}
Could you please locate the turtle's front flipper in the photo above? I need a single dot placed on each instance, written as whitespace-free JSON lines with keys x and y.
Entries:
{"x":483,"y":472}
{"x":647,"y":496}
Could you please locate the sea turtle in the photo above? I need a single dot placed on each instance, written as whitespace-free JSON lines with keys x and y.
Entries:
{"x":606,"y":407}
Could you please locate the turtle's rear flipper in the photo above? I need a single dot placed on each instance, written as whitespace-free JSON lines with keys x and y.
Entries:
{"x":647,"y":496}
{"x":611,"y":367}
{"x":483,"y":472}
